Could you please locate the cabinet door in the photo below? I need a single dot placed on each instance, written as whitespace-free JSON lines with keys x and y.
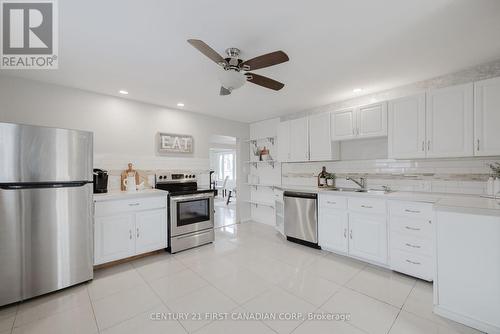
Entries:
{"x":343,"y":124}
{"x":487,"y":117}
{"x":299,"y":139}
{"x":450,"y":122}
{"x":368,"y":237}
{"x":320,"y":141}
{"x":150,"y":231}
{"x":372,"y":120}
{"x":114,"y":238}
{"x":407,"y":127}
{"x":284,"y":141}
{"x":332,"y":229}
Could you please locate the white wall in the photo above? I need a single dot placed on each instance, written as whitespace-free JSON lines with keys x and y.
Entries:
{"x":124,"y":130}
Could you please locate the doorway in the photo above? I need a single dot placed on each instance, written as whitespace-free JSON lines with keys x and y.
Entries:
{"x":223,"y":163}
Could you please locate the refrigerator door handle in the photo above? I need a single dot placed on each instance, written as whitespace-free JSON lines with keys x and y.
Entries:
{"x":43,"y":185}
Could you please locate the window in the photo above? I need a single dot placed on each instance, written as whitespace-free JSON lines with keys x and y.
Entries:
{"x":226,"y":166}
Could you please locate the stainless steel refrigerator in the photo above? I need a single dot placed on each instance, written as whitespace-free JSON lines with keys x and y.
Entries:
{"x":46,"y":224}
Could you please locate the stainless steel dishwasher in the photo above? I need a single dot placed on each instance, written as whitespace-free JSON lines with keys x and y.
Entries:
{"x":301,"y":218}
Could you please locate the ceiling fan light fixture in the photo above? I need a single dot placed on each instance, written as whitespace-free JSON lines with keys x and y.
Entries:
{"x":231,"y":79}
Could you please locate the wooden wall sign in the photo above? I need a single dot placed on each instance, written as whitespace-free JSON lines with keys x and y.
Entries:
{"x":174,"y":143}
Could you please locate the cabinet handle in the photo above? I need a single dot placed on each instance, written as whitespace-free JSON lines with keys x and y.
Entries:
{"x":134,"y":204}
{"x":130,"y":234}
{"x":413,"y":262}
{"x":423,"y":145}
{"x":137,"y":229}
{"x":478,"y":141}
{"x":412,"y":228}
{"x":329,"y":202}
{"x":350,"y":234}
{"x":429,"y":145}
{"x":345,"y":233}
{"x":367,"y":206}
{"x":412,"y":211}
{"x":412,"y":246}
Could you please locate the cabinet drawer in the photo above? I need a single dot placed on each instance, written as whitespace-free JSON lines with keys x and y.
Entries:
{"x":111,"y":207}
{"x":367,"y":205}
{"x":412,"y":264}
{"x":411,"y":244}
{"x":332,"y":202}
{"x":419,"y":228}
{"x":411,"y":209}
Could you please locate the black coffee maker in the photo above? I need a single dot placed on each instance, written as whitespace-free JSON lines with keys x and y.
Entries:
{"x":100,"y":181}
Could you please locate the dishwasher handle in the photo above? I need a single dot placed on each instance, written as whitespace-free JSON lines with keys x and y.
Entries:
{"x":300,"y":195}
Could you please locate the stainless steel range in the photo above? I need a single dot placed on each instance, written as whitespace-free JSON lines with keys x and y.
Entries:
{"x":191,"y":210}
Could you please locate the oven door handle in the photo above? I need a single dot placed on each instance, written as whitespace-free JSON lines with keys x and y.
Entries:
{"x":194,"y":196}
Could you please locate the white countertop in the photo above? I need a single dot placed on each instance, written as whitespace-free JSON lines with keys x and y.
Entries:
{"x":442,"y":201}
{"x":113,"y":195}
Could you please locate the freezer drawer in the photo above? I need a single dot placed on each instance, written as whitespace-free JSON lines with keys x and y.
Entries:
{"x":46,"y":240}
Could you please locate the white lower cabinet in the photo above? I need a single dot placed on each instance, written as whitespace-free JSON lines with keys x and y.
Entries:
{"x":114,"y":238}
{"x":140,"y":227}
{"x":353,"y":226}
{"x":150,"y":230}
{"x":333,"y":230}
{"x":411,"y":234}
{"x":368,"y":236}
{"x":391,"y":233}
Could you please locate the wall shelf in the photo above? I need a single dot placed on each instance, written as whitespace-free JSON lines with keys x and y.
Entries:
{"x":257,"y":203}
{"x":255,"y":140}
{"x":257,"y":185}
{"x":256,"y":163}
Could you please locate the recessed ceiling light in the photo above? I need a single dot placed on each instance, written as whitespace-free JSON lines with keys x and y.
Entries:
{"x":180,"y":104}
{"x":357,"y":90}
{"x":124,"y":92}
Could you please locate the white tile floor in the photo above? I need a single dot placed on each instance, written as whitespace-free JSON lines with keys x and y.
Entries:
{"x":248,"y":269}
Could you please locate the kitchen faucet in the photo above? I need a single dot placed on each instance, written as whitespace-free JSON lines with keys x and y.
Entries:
{"x":361,"y":182}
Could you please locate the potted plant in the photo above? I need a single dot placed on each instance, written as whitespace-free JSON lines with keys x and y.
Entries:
{"x":495,"y":174}
{"x":330,"y":180}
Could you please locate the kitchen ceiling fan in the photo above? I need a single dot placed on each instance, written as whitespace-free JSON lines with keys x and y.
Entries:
{"x":235,"y":70}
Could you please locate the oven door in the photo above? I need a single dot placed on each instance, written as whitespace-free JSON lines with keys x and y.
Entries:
{"x":191,"y":213}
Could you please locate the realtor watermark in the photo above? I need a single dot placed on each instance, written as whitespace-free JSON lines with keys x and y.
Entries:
{"x":249,"y":316}
{"x":29,"y":34}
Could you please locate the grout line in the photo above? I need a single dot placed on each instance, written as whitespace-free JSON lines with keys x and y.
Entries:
{"x":93,"y":311}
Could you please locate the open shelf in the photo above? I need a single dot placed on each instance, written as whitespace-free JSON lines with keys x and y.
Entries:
{"x":256,"y":185}
{"x":256,"y":163}
{"x":255,"y":140}
{"x":257,"y":203}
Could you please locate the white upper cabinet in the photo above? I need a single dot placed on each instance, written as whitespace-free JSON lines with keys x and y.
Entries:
{"x":360,"y":122}
{"x":283,"y":141}
{"x":343,"y":124}
{"x":320,"y":143}
{"x":299,"y":139}
{"x":449,"y":118}
{"x":487,"y":117}
{"x":372,"y":120}
{"x":407,"y":127}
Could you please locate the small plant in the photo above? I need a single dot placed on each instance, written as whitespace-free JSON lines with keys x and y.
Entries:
{"x":495,"y":169}
{"x":331,"y":176}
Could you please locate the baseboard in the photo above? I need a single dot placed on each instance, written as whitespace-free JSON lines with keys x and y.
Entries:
{"x":467,"y":321}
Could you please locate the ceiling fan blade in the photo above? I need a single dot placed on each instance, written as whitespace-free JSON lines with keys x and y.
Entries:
{"x":224,"y":91}
{"x":207,"y":51}
{"x":264,"y":81}
{"x":270,"y":59}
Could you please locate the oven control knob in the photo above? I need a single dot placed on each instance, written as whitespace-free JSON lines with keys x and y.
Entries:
{"x":160,"y":177}
{"x":192,"y":176}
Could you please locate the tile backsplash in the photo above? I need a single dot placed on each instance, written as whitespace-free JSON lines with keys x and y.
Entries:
{"x":460,"y":175}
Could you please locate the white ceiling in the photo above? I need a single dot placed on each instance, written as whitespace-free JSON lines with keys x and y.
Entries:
{"x":334,"y":46}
